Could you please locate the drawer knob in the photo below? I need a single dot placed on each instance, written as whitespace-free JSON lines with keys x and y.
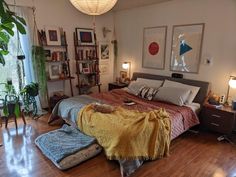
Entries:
{"x":217,"y":116}
{"x":217,"y":125}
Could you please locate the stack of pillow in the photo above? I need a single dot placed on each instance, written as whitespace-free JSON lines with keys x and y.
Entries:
{"x":167,"y":91}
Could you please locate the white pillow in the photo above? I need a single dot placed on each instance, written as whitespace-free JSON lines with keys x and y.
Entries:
{"x":135,"y":87}
{"x":194,"y":90}
{"x":175,"y":95}
{"x":150,"y":82}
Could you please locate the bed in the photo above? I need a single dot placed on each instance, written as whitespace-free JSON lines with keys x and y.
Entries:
{"x":182,"y":117}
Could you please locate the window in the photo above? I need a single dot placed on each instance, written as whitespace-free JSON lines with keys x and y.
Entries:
{"x":13,"y":68}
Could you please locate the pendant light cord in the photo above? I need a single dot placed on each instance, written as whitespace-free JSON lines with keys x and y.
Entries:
{"x":35,"y":23}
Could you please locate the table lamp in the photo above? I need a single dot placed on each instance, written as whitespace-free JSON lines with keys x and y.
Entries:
{"x":232,"y":84}
{"x":127,"y":66}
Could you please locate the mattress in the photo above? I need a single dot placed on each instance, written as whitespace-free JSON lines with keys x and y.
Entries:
{"x":77,"y":158}
{"x":195,"y":107}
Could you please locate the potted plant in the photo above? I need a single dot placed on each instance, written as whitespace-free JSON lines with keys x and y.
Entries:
{"x":8,"y":20}
{"x":28,"y":93}
{"x":11,"y":103}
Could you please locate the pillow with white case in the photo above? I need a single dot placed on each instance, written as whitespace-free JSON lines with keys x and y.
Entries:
{"x":194,"y":90}
{"x":174,"y":95}
{"x":135,"y":87}
{"x":150,"y":82}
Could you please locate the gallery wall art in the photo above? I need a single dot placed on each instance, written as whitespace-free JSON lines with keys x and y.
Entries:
{"x":154,"y":46}
{"x":186,"y":47}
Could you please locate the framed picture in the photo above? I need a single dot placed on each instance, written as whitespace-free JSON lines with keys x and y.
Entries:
{"x":123,"y":74}
{"x":154,"y":47}
{"x":53,"y":36}
{"x":54,"y":70}
{"x":104,"y":69}
{"x":104,"y":50}
{"x":85,"y":36}
{"x":186,"y":47}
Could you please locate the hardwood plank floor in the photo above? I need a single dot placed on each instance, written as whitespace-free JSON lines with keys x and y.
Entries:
{"x":192,"y":155}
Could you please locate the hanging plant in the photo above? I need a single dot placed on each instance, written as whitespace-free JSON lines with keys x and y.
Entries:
{"x":8,"y":21}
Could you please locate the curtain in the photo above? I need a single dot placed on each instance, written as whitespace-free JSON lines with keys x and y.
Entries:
{"x":26,"y":43}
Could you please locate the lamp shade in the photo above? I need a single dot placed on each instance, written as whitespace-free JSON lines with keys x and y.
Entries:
{"x":125,"y":65}
{"x":94,"y":7}
{"x":232,"y":82}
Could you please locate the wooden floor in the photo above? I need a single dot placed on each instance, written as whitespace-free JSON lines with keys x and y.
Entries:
{"x":192,"y":155}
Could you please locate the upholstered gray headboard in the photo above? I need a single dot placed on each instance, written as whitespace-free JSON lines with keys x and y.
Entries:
{"x":204,"y":86}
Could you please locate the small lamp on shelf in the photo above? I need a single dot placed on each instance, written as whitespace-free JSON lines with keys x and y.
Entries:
{"x":232,"y":84}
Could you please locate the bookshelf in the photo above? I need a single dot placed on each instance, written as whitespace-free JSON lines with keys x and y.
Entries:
{"x":57,"y":63}
{"x":87,"y":66}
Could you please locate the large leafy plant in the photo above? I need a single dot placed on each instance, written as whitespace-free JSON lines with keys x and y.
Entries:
{"x":9,"y":20}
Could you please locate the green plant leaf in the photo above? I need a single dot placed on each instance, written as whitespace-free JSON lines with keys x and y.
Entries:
{"x":8,"y":28}
{"x":20,"y":27}
{"x":4,"y":37}
{"x":2,"y":60}
{"x":4,"y":52}
{"x":17,"y":110}
{"x":22,"y":20}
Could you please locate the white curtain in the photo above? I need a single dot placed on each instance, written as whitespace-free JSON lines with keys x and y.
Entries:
{"x":26,"y":43}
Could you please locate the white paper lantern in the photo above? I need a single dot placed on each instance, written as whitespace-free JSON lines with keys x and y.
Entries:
{"x":94,"y":7}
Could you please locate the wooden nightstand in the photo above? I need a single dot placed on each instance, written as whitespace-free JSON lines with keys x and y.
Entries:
{"x":220,"y":120}
{"x":115,"y":85}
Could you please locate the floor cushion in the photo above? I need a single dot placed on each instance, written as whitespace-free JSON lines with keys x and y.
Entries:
{"x":67,"y":146}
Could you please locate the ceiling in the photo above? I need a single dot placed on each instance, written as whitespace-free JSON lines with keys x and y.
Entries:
{"x":127,"y":4}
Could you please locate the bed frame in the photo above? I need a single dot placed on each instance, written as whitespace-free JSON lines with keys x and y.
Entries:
{"x":204,"y":86}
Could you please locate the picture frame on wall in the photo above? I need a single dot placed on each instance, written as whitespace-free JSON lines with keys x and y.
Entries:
{"x":55,"y":70}
{"x":186,"y":47}
{"x":104,"y":51}
{"x":53,"y":35}
{"x":154,"y":47}
{"x":85,"y":36}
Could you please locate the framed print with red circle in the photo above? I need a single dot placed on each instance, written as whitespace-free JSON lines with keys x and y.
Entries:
{"x":154,"y":47}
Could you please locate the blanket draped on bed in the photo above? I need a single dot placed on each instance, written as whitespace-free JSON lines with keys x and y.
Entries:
{"x":128,"y":134}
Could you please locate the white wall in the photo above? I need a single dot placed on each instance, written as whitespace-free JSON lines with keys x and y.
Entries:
{"x":219,"y":42}
{"x":61,"y":13}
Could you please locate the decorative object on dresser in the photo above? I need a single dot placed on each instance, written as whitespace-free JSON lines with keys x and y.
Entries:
{"x":154,"y":46}
{"x":116,"y":85}
{"x":186,"y":47}
{"x":87,"y":61}
{"x":220,"y":120}
{"x":232,"y":84}
{"x":54,"y":42}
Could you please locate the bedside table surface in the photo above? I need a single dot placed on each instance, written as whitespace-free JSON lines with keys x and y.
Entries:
{"x":223,"y":108}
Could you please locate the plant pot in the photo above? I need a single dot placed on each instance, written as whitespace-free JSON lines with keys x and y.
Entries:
{"x":33,"y":92}
{"x":11,"y":107}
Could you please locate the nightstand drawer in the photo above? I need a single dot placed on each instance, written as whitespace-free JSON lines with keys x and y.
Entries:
{"x":219,"y":121}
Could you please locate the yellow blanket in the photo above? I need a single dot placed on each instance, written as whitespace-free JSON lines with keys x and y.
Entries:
{"x":126,"y":134}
